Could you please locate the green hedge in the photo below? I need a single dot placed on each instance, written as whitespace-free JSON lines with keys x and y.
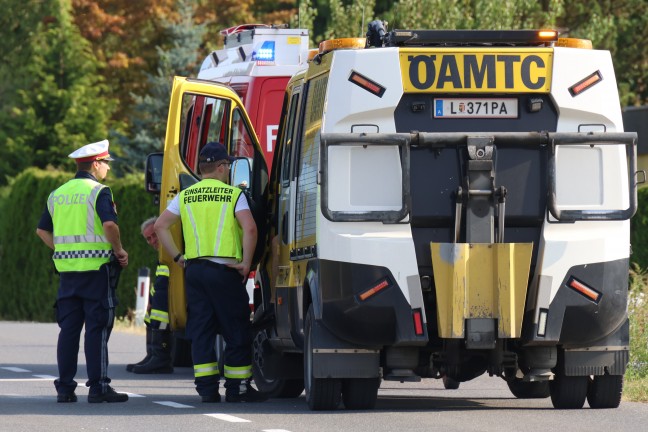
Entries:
{"x":28,"y":284}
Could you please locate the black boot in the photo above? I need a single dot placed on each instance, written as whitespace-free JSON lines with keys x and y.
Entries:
{"x":243,"y":392}
{"x":160,"y":361}
{"x":129,"y":367}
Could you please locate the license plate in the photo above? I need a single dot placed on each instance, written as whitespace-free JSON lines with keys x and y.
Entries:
{"x":475,"y":108}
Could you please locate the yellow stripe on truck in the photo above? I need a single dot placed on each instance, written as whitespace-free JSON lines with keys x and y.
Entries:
{"x":454,"y":70}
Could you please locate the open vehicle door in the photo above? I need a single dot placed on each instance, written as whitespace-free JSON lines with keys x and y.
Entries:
{"x":199,"y":112}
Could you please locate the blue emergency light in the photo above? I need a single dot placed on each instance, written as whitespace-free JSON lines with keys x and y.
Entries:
{"x":266,"y":53}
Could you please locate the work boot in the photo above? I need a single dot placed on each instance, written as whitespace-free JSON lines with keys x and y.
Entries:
{"x":244,"y":393}
{"x":129,"y":367}
{"x":109,"y":396}
{"x":160,"y":361}
{"x":66,"y":397}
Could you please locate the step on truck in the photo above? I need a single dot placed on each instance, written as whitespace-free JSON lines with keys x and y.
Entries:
{"x":446,"y":204}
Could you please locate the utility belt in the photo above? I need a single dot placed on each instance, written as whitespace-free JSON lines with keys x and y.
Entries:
{"x":204,"y":262}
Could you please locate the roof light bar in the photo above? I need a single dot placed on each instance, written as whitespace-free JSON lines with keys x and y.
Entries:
{"x":266,"y":54}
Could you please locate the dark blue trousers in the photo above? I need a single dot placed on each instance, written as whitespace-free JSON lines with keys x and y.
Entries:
{"x":217,"y":302}
{"x":84,"y":298}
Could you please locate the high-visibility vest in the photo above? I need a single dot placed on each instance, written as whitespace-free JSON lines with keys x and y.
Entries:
{"x":209,"y":225}
{"x":80,"y":243}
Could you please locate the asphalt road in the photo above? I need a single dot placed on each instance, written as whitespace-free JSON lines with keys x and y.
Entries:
{"x":169,"y":403}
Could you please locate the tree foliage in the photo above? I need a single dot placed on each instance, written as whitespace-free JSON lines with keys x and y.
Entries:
{"x":109,"y":64}
{"x":58,"y":101}
{"x":149,"y":120}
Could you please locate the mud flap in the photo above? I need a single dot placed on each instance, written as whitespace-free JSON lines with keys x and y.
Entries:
{"x":334,"y":358}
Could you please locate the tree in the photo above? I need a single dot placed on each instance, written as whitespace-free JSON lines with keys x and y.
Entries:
{"x":148,"y":124}
{"x":58,"y":102}
{"x":350,"y":20}
{"x":474,"y":14}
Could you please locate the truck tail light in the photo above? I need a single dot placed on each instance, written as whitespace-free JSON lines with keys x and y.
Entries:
{"x":417,"y":315}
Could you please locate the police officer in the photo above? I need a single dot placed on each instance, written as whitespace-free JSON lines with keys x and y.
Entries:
{"x":158,"y":334}
{"x":220,"y":237}
{"x":80,"y":225}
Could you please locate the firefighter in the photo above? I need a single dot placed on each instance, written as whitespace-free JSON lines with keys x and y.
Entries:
{"x":80,"y":225}
{"x":158,"y":334}
{"x":220,"y":237}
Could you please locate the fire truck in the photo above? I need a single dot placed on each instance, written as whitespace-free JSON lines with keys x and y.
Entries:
{"x":442,"y":204}
{"x":257,"y":61}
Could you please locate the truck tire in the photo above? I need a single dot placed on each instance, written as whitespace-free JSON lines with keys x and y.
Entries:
{"x":273,"y":387}
{"x":568,"y":392}
{"x":450,"y":383}
{"x":604,"y":391}
{"x":360,"y":393}
{"x":529,"y":389}
{"x":321,"y":393}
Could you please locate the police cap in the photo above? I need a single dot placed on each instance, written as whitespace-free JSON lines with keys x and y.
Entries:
{"x":92,"y":152}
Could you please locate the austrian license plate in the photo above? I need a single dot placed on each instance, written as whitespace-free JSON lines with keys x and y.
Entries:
{"x":475,"y":108}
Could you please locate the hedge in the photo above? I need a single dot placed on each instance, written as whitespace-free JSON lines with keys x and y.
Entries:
{"x":28,"y":284}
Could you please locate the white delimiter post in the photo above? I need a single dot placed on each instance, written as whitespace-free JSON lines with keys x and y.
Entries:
{"x":142,"y":294}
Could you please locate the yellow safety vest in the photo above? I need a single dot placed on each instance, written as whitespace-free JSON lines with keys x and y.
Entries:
{"x":80,"y":243}
{"x":209,"y":226}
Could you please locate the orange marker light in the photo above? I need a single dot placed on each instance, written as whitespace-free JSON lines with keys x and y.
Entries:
{"x":374,"y":290}
{"x":585,"y":290}
{"x":367,"y":84}
{"x":548,"y":34}
{"x":586,"y":83}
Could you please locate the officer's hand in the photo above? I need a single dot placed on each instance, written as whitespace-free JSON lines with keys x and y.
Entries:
{"x":243,"y":269}
{"x":122,"y":257}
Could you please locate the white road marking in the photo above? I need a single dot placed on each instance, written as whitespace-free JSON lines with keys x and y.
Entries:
{"x":47,"y":377}
{"x":228,"y":418}
{"x":172,"y":404}
{"x":15,"y":369}
{"x":135,"y":395}
{"x":24,"y":379}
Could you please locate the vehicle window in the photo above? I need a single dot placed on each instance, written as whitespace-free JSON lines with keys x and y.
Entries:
{"x":204,"y":119}
{"x":289,"y":137}
{"x":241,"y":144}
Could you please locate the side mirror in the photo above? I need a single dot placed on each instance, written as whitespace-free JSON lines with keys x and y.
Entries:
{"x":153,"y":177}
{"x":241,"y":174}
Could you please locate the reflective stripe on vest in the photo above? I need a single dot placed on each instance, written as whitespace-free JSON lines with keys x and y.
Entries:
{"x":80,"y":243}
{"x":206,"y":369}
{"x":162,"y":270}
{"x":209,"y":226}
{"x":238,"y":372}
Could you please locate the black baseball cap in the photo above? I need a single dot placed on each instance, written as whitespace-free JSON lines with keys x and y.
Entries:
{"x":214,"y":152}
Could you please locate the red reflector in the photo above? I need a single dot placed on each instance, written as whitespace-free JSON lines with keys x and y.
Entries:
{"x":367,"y":84}
{"x":585,"y":290}
{"x":586,"y":83}
{"x":418,"y":321}
{"x":374,"y":290}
